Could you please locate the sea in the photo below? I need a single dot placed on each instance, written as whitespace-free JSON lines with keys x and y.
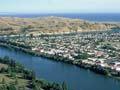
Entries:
{"x":97,"y":17}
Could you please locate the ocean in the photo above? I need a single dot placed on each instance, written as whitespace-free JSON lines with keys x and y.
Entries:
{"x":99,"y":17}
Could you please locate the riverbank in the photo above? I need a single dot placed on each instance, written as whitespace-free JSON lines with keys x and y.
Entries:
{"x":14,"y":76}
{"x":75,"y":77}
{"x":93,"y":67}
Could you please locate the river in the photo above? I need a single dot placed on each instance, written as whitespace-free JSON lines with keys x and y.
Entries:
{"x":75,"y":77}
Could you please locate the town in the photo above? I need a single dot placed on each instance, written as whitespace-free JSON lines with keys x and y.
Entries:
{"x":97,"y":51}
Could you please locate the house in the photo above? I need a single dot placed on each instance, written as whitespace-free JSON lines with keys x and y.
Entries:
{"x":115,"y":66}
{"x":92,"y":59}
{"x":99,"y":53}
{"x":100,"y":60}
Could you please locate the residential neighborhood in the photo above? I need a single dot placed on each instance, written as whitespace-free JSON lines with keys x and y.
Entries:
{"x":92,"y":49}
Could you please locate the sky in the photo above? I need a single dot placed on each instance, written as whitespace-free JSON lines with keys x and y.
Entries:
{"x":60,"y":6}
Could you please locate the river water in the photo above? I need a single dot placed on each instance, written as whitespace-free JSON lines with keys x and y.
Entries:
{"x":75,"y":77}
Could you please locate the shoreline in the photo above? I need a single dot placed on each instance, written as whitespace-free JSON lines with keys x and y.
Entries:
{"x":23,"y":75}
{"x":93,"y":68}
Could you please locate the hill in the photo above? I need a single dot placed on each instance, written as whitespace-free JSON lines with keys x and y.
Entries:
{"x":50,"y":25}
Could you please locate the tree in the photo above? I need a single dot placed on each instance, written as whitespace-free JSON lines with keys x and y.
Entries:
{"x":3,"y":80}
{"x":31,"y":35}
{"x":6,"y":58}
{"x":82,"y":56}
{"x":12,"y":87}
{"x":33,"y":75}
{"x":3,"y":87}
{"x":16,"y":81}
{"x":64,"y":86}
{"x":12,"y":74}
{"x":3,"y":70}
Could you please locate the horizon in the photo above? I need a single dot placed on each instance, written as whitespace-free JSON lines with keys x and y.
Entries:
{"x":60,"y":13}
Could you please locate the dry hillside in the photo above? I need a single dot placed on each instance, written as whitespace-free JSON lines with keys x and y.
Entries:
{"x":49,"y":25}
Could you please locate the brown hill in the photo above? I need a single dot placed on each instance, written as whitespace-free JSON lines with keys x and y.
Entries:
{"x":49,"y":25}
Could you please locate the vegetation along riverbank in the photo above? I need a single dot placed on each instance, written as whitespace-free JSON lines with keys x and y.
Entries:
{"x":84,"y":62}
{"x":13,"y":76}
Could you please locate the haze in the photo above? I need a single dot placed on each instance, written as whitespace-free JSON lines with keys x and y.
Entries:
{"x":60,"y":6}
